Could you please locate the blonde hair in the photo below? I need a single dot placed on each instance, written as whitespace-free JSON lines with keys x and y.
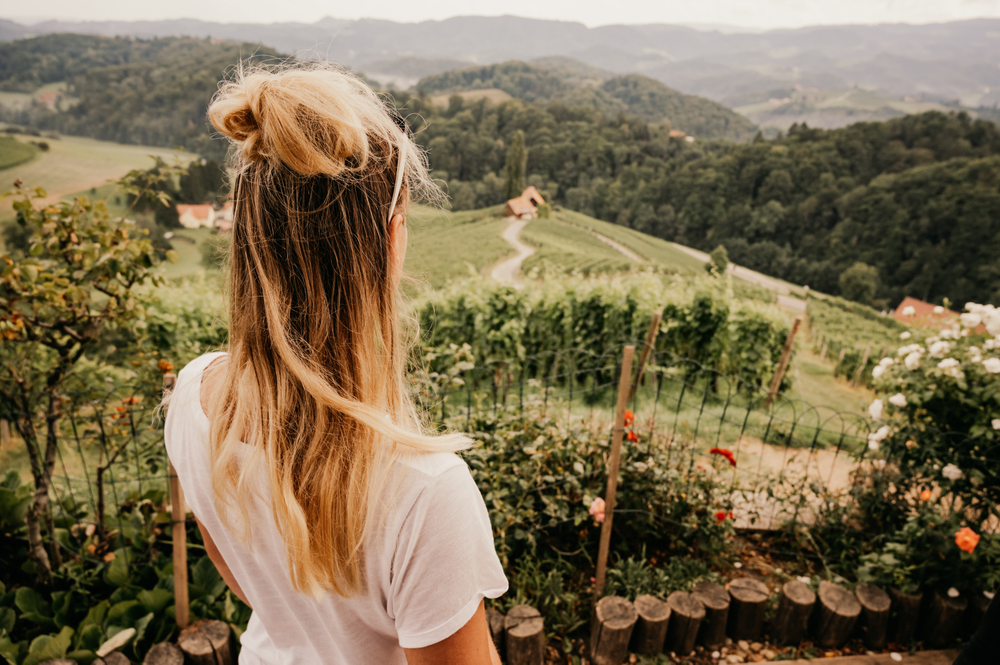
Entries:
{"x":315,"y":379}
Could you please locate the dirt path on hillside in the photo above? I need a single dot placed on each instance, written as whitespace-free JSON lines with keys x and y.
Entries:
{"x":509,"y":270}
{"x":618,"y":246}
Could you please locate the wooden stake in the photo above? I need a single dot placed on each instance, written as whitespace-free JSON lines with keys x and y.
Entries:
{"x":864,"y":361}
{"x":786,"y":354}
{"x":613,"y":462}
{"x":4,"y":434}
{"x":178,"y":515}
{"x":822,"y":354}
{"x":647,"y":350}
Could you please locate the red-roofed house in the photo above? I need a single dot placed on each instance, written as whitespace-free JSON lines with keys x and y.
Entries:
{"x":194,"y":216}
{"x":525,"y":206}
{"x":922,"y":314}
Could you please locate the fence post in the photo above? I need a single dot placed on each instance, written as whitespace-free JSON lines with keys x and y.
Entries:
{"x":861,"y":368}
{"x":4,"y":434}
{"x":647,"y":350}
{"x":786,"y":353}
{"x":613,"y":463}
{"x":178,"y":517}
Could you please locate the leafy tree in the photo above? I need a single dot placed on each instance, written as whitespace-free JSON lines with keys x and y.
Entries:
{"x":859,"y":283}
{"x":718,"y":261}
{"x":78,"y":281}
{"x":515,"y":167}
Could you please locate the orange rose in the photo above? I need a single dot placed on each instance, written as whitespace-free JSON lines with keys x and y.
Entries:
{"x":925,"y":495}
{"x":629,"y":417}
{"x":966,"y":539}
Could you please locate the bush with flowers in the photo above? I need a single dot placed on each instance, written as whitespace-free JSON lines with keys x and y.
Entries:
{"x":930,"y":477}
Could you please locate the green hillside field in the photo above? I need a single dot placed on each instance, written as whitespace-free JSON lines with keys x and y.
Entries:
{"x":74,"y":164}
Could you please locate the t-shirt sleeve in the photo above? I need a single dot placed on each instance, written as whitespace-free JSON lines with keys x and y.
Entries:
{"x":445,"y":561}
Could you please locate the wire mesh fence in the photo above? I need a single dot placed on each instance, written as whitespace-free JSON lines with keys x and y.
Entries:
{"x":777,"y":464}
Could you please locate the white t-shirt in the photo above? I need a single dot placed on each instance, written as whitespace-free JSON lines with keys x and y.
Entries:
{"x":427,"y":570}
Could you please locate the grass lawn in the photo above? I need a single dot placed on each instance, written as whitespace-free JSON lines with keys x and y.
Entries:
{"x":187,"y":243}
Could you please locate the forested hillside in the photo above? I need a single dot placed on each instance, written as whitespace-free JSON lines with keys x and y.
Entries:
{"x":151,"y":92}
{"x":916,"y":197}
{"x":571,"y":83}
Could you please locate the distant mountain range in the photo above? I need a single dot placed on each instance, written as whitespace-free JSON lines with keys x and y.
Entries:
{"x":951,"y":63}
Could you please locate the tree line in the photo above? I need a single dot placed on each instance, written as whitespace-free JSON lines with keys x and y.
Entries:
{"x":914,"y":200}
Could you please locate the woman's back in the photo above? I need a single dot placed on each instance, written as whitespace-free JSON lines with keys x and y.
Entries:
{"x":427,"y":568}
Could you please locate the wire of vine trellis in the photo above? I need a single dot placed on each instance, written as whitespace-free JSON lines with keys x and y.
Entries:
{"x":135,"y":446}
{"x":805,"y":479}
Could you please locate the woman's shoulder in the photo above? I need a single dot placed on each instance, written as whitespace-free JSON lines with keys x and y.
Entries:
{"x":432,"y":465}
{"x":198,"y":365}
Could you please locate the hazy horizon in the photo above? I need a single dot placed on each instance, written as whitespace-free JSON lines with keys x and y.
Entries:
{"x":721,"y":15}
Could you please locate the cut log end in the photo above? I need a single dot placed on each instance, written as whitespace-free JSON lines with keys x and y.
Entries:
{"x":715,"y":598}
{"x":748,"y":602}
{"x":524,"y":631}
{"x":651,"y":627}
{"x":611,"y":630}
{"x":837,"y":612}
{"x":875,"y":606}
{"x":164,"y":654}
{"x":686,"y":613}
{"x":791,"y":620}
{"x":206,"y":643}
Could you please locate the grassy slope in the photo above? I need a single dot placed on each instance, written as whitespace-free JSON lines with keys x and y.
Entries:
{"x":443,"y":245}
{"x":14,"y":153}
{"x":75,"y":164}
{"x":655,"y":250}
{"x":569,"y":247}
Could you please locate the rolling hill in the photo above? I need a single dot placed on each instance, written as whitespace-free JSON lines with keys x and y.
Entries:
{"x":944,"y":61}
{"x":574,"y":84}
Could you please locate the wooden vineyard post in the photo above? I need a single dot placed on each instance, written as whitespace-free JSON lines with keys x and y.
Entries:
{"x":822,"y":354}
{"x":178,"y":516}
{"x":779,"y":372}
{"x":647,"y":350}
{"x":4,"y":434}
{"x":613,"y":463}
{"x":864,"y":361}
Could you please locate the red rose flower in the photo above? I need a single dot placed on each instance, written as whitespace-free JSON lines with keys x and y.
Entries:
{"x":629,"y":418}
{"x":721,"y":516}
{"x":631,"y":436}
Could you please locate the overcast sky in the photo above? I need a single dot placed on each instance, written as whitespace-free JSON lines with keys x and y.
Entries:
{"x":757,"y":14}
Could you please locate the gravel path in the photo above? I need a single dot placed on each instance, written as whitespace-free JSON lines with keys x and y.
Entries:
{"x":509,"y":270}
{"x":618,"y":246}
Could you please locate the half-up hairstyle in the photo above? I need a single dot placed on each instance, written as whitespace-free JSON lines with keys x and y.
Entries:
{"x":313,"y":395}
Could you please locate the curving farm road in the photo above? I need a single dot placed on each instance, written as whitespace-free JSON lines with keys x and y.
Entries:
{"x":509,"y":270}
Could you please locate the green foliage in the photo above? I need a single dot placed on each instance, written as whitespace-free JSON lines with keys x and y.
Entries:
{"x":633,"y":577}
{"x":914,"y":197}
{"x":148,"y":92}
{"x":718,"y":261}
{"x":700,"y":322}
{"x":859,"y":283}
{"x":517,"y":159}
{"x":14,"y":152}
{"x":633,"y":94}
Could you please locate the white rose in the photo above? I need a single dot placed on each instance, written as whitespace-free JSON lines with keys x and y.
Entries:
{"x":912,"y":361}
{"x":938,"y":349}
{"x":886,"y":362}
{"x":996,"y":423}
{"x":872,"y":443}
{"x":878,"y":371}
{"x":939,"y":310}
{"x":898,"y":400}
{"x":951,"y":472}
{"x":875,"y":410}
{"x":909,"y":311}
{"x":948,"y":363}
{"x":905,"y":335}
{"x":909,"y":348}
{"x":970,"y":320}
{"x":992,"y":365}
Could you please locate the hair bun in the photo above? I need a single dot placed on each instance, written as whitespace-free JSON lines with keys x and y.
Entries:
{"x":315,"y":120}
